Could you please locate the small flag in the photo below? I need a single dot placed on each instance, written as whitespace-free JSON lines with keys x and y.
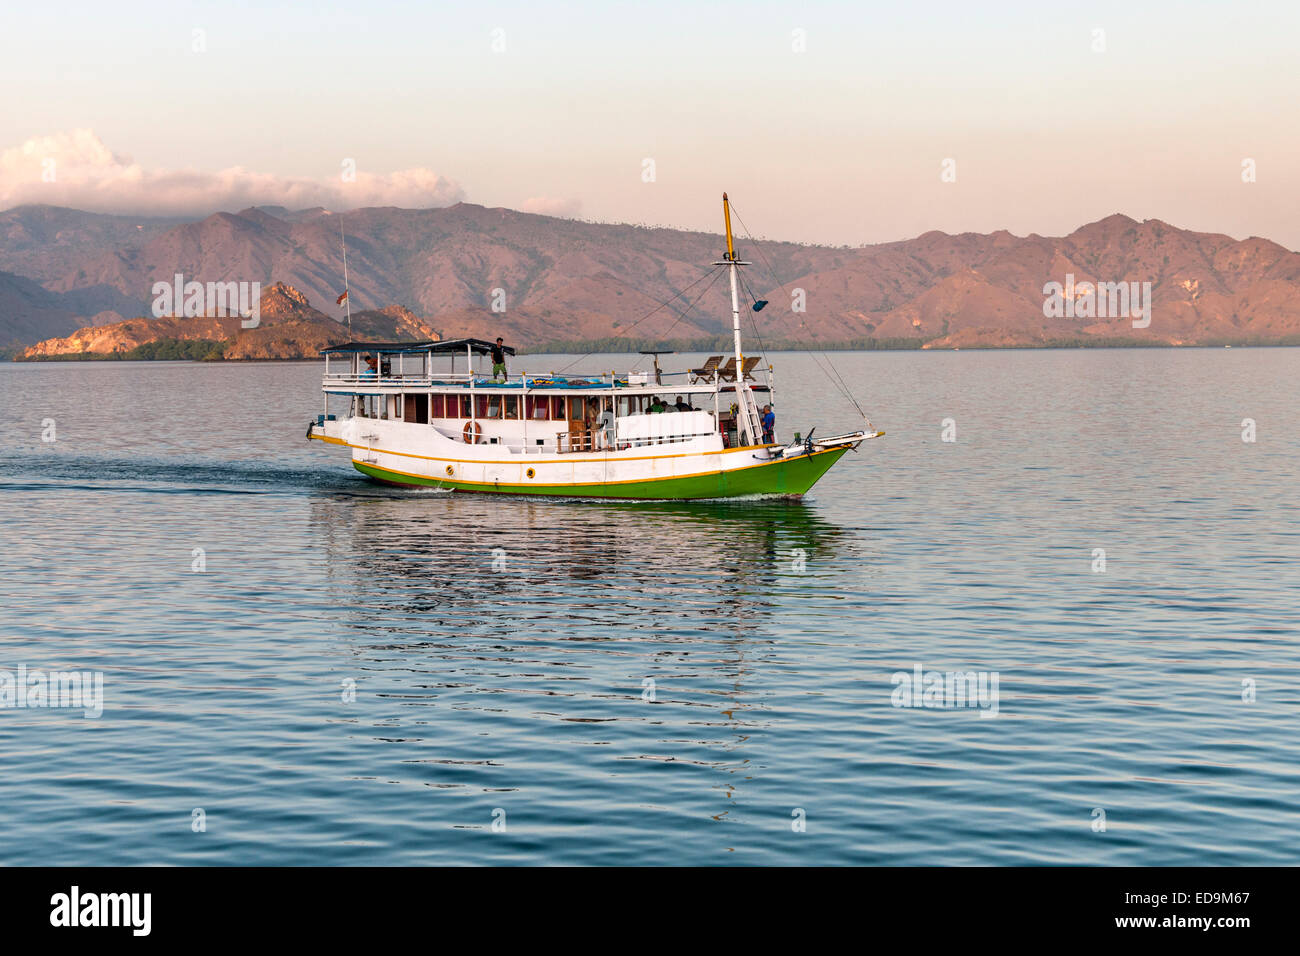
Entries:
{"x":339,"y":300}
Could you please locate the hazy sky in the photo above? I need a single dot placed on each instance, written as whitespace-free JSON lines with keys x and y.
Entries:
{"x":843,"y":142}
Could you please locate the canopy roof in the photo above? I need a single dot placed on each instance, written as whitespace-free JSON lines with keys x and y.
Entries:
{"x":456,"y":346}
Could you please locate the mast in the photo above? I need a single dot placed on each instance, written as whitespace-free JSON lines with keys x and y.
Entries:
{"x":732,"y":267}
{"x":744,"y":397}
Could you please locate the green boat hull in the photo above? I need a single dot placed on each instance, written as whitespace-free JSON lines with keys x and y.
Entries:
{"x":789,"y":477}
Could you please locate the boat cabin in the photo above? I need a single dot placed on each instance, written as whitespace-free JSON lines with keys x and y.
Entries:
{"x":442,"y":386}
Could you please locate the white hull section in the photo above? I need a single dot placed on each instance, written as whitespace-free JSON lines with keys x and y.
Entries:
{"x":418,"y":450}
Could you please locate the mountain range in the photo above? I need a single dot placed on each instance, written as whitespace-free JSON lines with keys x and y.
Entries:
{"x":470,"y":270}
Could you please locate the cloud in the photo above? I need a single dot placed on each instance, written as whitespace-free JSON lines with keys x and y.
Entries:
{"x":546,"y":206}
{"x":77,"y":169}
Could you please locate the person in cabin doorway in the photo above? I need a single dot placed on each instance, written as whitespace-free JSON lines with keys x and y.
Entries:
{"x":769,"y":424}
{"x":593,"y":424}
{"x":606,"y":422}
{"x":499,"y":361}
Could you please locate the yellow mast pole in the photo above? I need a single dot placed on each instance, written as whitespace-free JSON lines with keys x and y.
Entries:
{"x":726,"y":212}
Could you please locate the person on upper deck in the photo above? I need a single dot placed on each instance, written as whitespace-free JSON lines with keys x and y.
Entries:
{"x":655,"y":405}
{"x":499,"y":361}
{"x":682,"y":406}
{"x":372,"y":368}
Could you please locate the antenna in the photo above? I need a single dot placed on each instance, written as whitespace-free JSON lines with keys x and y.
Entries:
{"x":346,"y":298}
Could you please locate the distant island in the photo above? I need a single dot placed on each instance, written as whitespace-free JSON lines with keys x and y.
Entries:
{"x":76,"y":285}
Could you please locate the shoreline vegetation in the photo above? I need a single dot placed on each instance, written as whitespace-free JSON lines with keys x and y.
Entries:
{"x":159,"y":350}
{"x":213,"y":350}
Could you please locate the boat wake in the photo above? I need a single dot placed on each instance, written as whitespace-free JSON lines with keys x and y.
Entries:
{"x":162,"y":476}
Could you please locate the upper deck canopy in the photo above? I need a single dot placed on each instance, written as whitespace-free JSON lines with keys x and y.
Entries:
{"x":445,"y":346}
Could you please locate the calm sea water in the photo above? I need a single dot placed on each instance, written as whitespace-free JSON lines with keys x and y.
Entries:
{"x":501,"y":651}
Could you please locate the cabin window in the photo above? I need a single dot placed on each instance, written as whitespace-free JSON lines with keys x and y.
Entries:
{"x":488,"y":406}
{"x":416,"y":409}
{"x":538,"y":408}
{"x":512,"y":407}
{"x":464,"y":405}
{"x":435,"y":407}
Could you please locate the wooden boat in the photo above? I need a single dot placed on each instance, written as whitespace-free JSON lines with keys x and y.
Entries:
{"x":606,"y":434}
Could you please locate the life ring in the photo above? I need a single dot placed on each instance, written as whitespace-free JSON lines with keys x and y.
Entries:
{"x":473,"y":431}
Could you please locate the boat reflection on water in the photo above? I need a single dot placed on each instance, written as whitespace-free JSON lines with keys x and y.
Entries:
{"x":651,"y":630}
{"x":671,"y":566}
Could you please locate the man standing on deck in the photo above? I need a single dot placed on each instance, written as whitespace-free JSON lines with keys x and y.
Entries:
{"x":499,"y":361}
{"x":769,"y":425}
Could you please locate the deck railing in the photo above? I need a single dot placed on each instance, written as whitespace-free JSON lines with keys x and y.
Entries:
{"x":532,"y":379}
{"x":537,"y":380}
{"x":412,"y":380}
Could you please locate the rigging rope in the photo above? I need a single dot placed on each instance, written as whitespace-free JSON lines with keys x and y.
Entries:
{"x":661,"y":305}
{"x":836,"y":379}
{"x":691,"y":304}
{"x":753,"y":321}
{"x":749,"y":291}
